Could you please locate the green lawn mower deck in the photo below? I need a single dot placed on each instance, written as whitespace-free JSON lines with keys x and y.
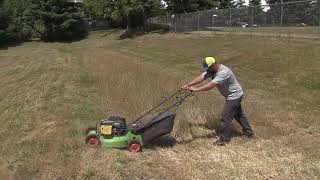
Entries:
{"x":130,"y":140}
{"x":115,"y":133}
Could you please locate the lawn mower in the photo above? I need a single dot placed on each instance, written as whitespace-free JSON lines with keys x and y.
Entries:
{"x":158,"y":121}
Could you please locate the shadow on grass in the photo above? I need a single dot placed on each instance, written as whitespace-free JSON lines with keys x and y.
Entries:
{"x":6,"y":45}
{"x":218,"y":30}
{"x":134,"y":33}
{"x":131,"y":34}
{"x":70,"y":40}
{"x":108,"y":32}
{"x":163,"y":141}
{"x":169,"y":141}
{"x":211,"y":124}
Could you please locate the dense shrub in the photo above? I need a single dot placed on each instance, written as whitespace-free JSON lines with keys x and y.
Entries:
{"x":49,"y":20}
{"x":56,"y":20}
{"x":12,"y":25}
{"x":4,"y":19}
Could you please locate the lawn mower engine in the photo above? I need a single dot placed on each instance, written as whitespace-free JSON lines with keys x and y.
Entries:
{"x":112,"y":127}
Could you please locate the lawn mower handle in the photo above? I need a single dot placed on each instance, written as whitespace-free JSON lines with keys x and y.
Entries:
{"x":180,"y":99}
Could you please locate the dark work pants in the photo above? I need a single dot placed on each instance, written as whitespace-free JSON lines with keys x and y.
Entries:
{"x":232,"y":110}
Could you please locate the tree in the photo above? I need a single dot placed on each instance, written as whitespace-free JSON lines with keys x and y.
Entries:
{"x":125,"y":13}
{"x":4,"y":19}
{"x":16,"y":28}
{"x":187,"y":6}
{"x":46,"y":19}
{"x":56,"y":19}
{"x":254,"y":2}
{"x":239,"y":3}
{"x":291,"y":14}
{"x":315,"y":10}
{"x":96,"y":8}
{"x":241,"y":14}
{"x":226,"y":4}
{"x":256,"y":12}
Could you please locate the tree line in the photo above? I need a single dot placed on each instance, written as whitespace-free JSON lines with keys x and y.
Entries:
{"x":52,"y":20}
{"x":292,"y":13}
{"x":49,"y":20}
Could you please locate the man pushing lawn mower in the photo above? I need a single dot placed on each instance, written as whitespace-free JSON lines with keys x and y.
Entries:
{"x":226,"y":82}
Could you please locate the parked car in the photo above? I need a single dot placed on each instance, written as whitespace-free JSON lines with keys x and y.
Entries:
{"x":256,"y":25}
{"x":301,"y":25}
{"x":242,"y":24}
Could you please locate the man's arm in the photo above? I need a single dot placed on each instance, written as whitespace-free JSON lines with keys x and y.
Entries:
{"x":206,"y":87}
{"x":195,"y":81}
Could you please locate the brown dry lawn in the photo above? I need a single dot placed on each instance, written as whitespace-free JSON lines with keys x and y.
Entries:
{"x":51,"y":92}
{"x":287,"y":32}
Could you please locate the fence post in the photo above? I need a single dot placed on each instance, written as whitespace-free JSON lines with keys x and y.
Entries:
{"x":319,"y":26}
{"x":175,"y":24}
{"x":251,"y":15}
{"x":230,"y":16}
{"x":281,"y":17}
{"x":198,"y":20}
{"x":251,"y":21}
{"x":186,"y":22}
{"x":167,"y":18}
{"x":212,"y":20}
{"x":162,"y":21}
{"x":127,"y":22}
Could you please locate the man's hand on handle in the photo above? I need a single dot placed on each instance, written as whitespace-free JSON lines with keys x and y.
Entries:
{"x":206,"y":87}
{"x":185,"y":87}
{"x":190,"y":88}
{"x":193,"y":89}
{"x":195,"y":81}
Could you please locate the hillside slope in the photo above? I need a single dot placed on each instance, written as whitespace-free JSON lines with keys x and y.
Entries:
{"x":51,"y":92}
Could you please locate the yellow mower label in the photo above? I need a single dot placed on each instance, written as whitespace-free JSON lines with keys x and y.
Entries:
{"x":106,"y":130}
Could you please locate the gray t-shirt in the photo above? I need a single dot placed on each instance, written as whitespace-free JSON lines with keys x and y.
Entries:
{"x":226,"y":82}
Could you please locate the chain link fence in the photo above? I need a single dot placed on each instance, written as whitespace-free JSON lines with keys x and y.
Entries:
{"x":291,"y":19}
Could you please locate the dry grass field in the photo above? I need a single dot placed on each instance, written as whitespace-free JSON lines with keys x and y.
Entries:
{"x":51,"y":92}
{"x":271,"y":32}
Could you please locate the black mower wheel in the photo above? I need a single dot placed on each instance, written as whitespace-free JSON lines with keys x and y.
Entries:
{"x":134,"y":146}
{"x":92,"y":141}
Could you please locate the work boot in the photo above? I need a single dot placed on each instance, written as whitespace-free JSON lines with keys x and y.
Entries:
{"x":249,"y":134}
{"x":220,"y":142}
